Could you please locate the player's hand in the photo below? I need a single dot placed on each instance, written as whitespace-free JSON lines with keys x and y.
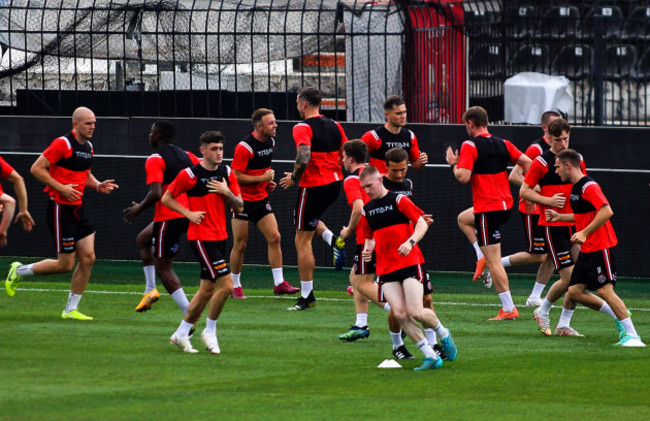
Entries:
{"x":69,"y":192}
{"x":405,"y":248}
{"x":107,"y":186}
{"x":271,"y":185}
{"x":451,"y":156}
{"x":287,"y":181}
{"x":558,"y":200}
{"x":196,"y":217}
{"x":269,"y":174}
{"x":424,"y":158}
{"x":131,"y":212}
{"x":578,"y":238}
{"x":552,"y":216}
{"x":219,"y":187}
{"x":26,"y":219}
{"x":366,"y":255}
{"x":428,"y":218}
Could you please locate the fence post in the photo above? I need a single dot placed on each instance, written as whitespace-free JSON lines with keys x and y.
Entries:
{"x":598,"y":70}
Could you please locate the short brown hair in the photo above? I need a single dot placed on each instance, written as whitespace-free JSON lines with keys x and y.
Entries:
{"x":546,"y":117}
{"x":213,"y":136}
{"x":557,"y":126}
{"x":396,"y":155}
{"x":310,"y":95}
{"x":356,"y":149}
{"x":369,"y":172}
{"x":476,"y":115}
{"x":570,"y":156}
{"x":393,"y":101}
{"x":259,"y":114}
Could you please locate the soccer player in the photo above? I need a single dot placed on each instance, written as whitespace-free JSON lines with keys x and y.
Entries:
{"x":8,"y":203}
{"x":393,"y":135}
{"x":595,"y":268}
{"x":211,"y":187}
{"x":252,"y":167}
{"x":554,"y":194}
{"x":362,"y":273}
{"x":318,"y":172}
{"x":158,"y":242}
{"x":64,"y":168}
{"x":392,"y":226}
{"x":535,"y":253}
{"x":483,"y":162}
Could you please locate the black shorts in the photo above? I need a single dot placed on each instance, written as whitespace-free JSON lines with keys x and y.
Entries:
{"x":414,"y":271}
{"x":488,"y":226}
{"x":68,"y":224}
{"x":426,"y":280}
{"x":254,"y":211}
{"x":166,"y":235}
{"x":534,"y":233}
{"x":361,"y":267}
{"x":312,"y":203}
{"x":211,"y":255}
{"x":558,"y":245}
{"x":595,"y":269}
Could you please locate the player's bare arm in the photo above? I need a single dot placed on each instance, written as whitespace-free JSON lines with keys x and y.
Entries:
{"x":221,"y":187}
{"x":528,"y":193}
{"x":303,"y":155}
{"x":40,"y":170}
{"x":23,"y":214}
{"x":195,"y":217}
{"x":462,"y":174}
{"x":355,"y":216}
{"x":246,"y":179}
{"x":553,"y":216}
{"x":153,"y":196}
{"x":602,"y":216}
{"x":419,"y":230}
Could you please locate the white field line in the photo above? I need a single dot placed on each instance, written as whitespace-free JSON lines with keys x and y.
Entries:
{"x":273,"y":297}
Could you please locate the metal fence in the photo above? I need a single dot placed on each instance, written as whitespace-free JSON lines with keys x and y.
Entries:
{"x":602,"y":47}
{"x":208,"y":58}
{"x":225,"y":58}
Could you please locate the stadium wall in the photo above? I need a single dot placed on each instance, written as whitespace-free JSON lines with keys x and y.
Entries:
{"x":616,"y":157}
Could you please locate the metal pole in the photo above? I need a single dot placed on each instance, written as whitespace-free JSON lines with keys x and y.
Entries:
{"x":599,"y":69}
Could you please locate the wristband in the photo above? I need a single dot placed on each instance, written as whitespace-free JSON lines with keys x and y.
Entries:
{"x":412,"y":241}
{"x":97,"y":188}
{"x":453,"y":165}
{"x":293,"y":177}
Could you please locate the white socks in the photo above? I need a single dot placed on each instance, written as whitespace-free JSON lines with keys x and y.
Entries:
{"x":210,"y":326}
{"x":397,"y":339}
{"x":477,"y":249}
{"x":506,"y":301}
{"x":236,"y":278}
{"x":25,"y":270}
{"x":305,"y":288}
{"x":605,"y":308}
{"x":362,"y":320}
{"x":181,"y":299}
{"x":545,"y":308}
{"x":184,"y":328}
{"x":149,"y":278}
{"x":565,"y":318}
{"x":505,"y":261}
{"x":73,"y":302}
{"x":537,"y":290}
{"x":426,"y":349}
{"x":327,"y":236}
{"x":278,"y":276}
{"x":629,"y":327}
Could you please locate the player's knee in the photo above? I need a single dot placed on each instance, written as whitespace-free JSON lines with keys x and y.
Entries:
{"x":240,"y":245}
{"x":65,"y":265}
{"x":274,"y":238}
{"x":87,"y":258}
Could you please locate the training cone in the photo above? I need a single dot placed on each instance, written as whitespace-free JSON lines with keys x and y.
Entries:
{"x":389,"y":363}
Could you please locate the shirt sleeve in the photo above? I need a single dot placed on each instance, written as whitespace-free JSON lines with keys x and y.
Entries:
{"x":370,"y":139}
{"x":514,"y":152}
{"x":537,"y":170}
{"x":408,"y":208}
{"x":195,"y":159}
{"x":594,"y":194}
{"x":414,"y":152}
{"x":5,"y":169}
{"x":155,"y":168}
{"x":182,"y":183}
{"x":302,"y":134}
{"x":352,"y":188}
{"x":233,"y":185}
{"x":468,"y":155}
{"x":241,"y":158}
{"x":59,"y":149}
{"x":344,"y":137}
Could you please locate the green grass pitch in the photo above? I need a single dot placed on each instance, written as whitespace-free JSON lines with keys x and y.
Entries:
{"x":281,"y":365}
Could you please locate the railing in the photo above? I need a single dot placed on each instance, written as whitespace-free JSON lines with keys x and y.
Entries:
{"x":209,"y":58}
